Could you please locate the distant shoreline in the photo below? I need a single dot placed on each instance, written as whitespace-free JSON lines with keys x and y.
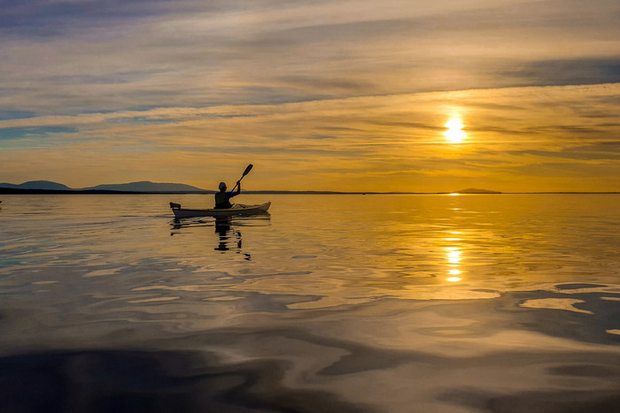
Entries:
{"x":15,"y":191}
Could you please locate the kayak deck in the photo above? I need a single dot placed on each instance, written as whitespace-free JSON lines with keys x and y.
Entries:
{"x":236,"y":210}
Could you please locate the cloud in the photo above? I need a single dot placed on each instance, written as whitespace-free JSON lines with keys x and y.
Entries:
{"x":379,"y":143}
{"x":53,"y":18}
{"x":121,"y":55}
{"x":583,"y":71}
{"x":600,"y":151}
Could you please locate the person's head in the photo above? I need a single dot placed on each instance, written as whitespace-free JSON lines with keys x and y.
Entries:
{"x":222,"y":186}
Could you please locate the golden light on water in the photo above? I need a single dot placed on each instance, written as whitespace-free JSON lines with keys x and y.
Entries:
{"x":453,"y":256}
{"x":454,"y":133}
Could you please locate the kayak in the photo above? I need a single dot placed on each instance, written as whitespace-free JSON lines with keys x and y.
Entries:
{"x":236,"y":210}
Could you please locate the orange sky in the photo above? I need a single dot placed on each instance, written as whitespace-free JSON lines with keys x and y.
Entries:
{"x":339,"y":95}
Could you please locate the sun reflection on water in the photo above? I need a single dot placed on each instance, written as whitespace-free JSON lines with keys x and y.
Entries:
{"x":454,"y":257}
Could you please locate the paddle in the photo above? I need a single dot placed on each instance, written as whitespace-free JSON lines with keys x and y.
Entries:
{"x":247,"y":171}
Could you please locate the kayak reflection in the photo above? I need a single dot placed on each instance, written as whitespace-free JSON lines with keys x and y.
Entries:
{"x":227,"y":229}
{"x":229,"y":237}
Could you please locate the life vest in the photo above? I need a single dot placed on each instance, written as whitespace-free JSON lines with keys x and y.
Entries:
{"x":222,"y":201}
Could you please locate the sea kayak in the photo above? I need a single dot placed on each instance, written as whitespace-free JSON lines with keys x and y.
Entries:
{"x":236,"y":210}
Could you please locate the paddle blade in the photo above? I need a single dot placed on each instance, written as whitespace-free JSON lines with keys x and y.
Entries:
{"x":248,"y":169}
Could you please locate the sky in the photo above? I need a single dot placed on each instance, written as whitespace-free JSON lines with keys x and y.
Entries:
{"x":338,"y":95}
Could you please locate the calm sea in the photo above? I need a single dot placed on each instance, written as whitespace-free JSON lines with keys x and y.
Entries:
{"x":332,"y":303}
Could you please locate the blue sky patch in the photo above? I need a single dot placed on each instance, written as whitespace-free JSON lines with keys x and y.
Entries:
{"x":41,"y":131}
{"x":16,"y":114}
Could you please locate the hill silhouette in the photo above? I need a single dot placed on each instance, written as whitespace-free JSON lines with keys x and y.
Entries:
{"x":132,"y":187}
{"x":45,"y":185}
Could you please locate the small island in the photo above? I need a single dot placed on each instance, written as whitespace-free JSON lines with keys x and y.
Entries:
{"x":472,"y":191}
{"x":476,"y":191}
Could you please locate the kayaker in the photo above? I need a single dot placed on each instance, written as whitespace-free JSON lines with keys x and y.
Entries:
{"x":222,"y":198}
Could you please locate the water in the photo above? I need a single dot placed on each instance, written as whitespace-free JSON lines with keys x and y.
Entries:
{"x":427,"y":303}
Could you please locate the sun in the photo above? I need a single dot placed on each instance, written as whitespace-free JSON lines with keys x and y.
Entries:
{"x":454,"y":133}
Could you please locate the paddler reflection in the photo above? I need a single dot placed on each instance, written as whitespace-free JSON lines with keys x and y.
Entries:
{"x":229,"y":238}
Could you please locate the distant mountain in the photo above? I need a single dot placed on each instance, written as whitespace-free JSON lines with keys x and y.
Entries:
{"x":143,"y":186}
{"x":476,"y":191}
{"x":45,"y":185}
{"x":146,"y":186}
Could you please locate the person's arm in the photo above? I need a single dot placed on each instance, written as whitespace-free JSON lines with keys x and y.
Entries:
{"x":233,"y":193}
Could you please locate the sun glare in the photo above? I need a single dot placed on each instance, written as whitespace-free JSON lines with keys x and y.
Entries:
{"x":454,"y":133}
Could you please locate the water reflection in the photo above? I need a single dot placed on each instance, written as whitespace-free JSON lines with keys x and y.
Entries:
{"x":222,"y":228}
{"x":229,"y":238}
{"x":454,"y":257}
{"x":227,"y":230}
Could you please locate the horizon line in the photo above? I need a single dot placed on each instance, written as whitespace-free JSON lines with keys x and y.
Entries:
{"x":23,"y":191}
